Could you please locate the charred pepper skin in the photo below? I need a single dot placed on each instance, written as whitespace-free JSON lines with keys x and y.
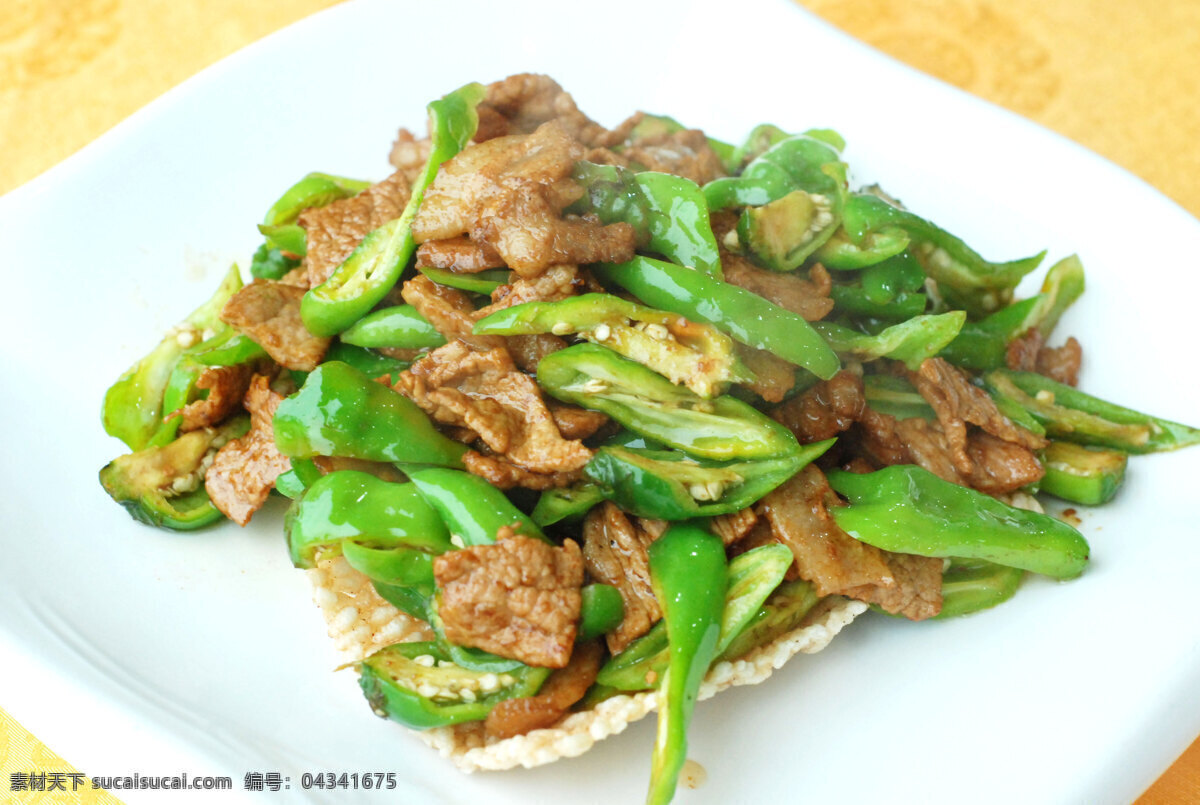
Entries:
{"x":745,"y":316}
{"x":341,"y":412}
{"x":907,"y":509}
{"x":373,"y":268}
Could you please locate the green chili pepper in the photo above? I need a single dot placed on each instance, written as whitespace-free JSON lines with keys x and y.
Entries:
{"x":568,"y":503}
{"x":133,"y":406}
{"x":423,"y":695}
{"x":271,"y":264}
{"x":696,"y":355}
{"x":145,"y":482}
{"x":750,"y":579}
{"x":403,"y":567}
{"x":1086,"y":475}
{"x":367,"y":361}
{"x":908,"y":509}
{"x":667,"y":485}
{"x":314,"y":190}
{"x":602,"y":610}
{"x":668,"y":213}
{"x":341,"y":412}
{"x":782,"y":612}
{"x":481,"y":282}
{"x":1073,"y":416}
{"x":399,"y":327}
{"x":761,"y":137}
{"x":893,"y":395}
{"x":647,"y":403}
{"x":375,"y":265}
{"x":352,"y":505}
{"x":409,"y":600}
{"x":688,"y":574}
{"x":746,"y":316}
{"x":964,"y":279}
{"x":471,"y":508}
{"x":843,"y":254}
{"x":971,"y":585}
{"x":800,"y":162}
{"x":910,"y":341}
{"x":228,"y":348}
{"x":982,"y":345}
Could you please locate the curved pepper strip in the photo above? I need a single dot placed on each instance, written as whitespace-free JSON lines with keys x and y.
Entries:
{"x":353,"y":505}
{"x":800,"y":162}
{"x":841,"y":253}
{"x":888,"y":290}
{"x":392,"y":679}
{"x":688,"y":574}
{"x":647,"y":403}
{"x":284,"y":236}
{"x":375,"y":265}
{"x":133,"y":406}
{"x":482,"y":282}
{"x":405,"y":567}
{"x":573,"y":502}
{"x":399,"y":327}
{"x":666,"y":485}
{"x":909,"y":341}
{"x":668,"y":213}
{"x":1075,"y":416}
{"x":746,"y":316}
{"x":982,"y":345}
{"x":971,"y":585}
{"x":341,"y":412}
{"x":696,"y":355}
{"x":907,"y":509}
{"x":602,"y":610}
{"x":471,"y":508}
{"x":964,"y":279}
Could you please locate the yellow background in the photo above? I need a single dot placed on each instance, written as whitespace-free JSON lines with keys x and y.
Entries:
{"x":1120,"y":77}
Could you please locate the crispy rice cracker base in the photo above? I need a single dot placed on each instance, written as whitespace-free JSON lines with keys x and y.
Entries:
{"x":361,"y":622}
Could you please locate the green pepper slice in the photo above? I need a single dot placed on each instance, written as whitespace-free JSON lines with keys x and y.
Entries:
{"x":647,"y":403}
{"x":971,"y":585}
{"x":341,"y":412}
{"x":800,"y":162}
{"x":481,"y":282}
{"x":908,"y":509}
{"x":471,"y":508}
{"x":1079,"y":474}
{"x":602,"y":610}
{"x":909,"y":341}
{"x":399,"y":327}
{"x":417,"y":685}
{"x":375,"y":265}
{"x":746,"y":316}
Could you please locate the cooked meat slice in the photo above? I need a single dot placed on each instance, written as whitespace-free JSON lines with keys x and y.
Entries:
{"x":553,"y":285}
{"x":1021,"y":353}
{"x":732,"y":527}
{"x":336,"y":229}
{"x":449,"y":310}
{"x":1061,"y":363}
{"x":826,"y":555}
{"x":878,"y":438}
{"x":1001,"y":466}
{"x":760,"y":534}
{"x":509,"y":193}
{"x":773,"y":377}
{"x":807,"y":297}
{"x":518,"y":598}
{"x":245,"y":469}
{"x":503,"y":474}
{"x":574,"y":422}
{"x":460,"y":255}
{"x":298,"y":276}
{"x":615,"y":552}
{"x":956,"y":402}
{"x":226,"y":386}
{"x":462,"y":386}
{"x":825,"y":410}
{"x":564,"y":687}
{"x":528,"y":350}
{"x":684,"y":153}
{"x":409,"y":155}
{"x":269,"y":312}
{"x":917,"y":591}
{"x":925,"y":445}
{"x":521,"y":103}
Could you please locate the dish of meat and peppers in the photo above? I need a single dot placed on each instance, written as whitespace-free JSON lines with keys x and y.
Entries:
{"x":588,"y":422}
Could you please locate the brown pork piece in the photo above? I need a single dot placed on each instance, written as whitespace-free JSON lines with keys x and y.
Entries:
{"x":333,"y":231}
{"x":615,"y":551}
{"x":827,"y":556}
{"x":685,"y":153}
{"x":449,"y":310}
{"x":925,"y":445}
{"x":773,"y":376}
{"x":481,"y":389}
{"x":244,"y":470}
{"x":510,"y":193}
{"x":518,"y":598}
{"x":460,"y":255}
{"x":409,"y":155}
{"x":999,"y":466}
{"x":269,"y":312}
{"x":503,"y":474}
{"x":564,"y":687}
{"x":732,"y":527}
{"x":226,"y":386}
{"x":877,"y":437}
{"x":1021,"y":353}
{"x":528,"y":350}
{"x":807,"y":297}
{"x":574,"y":422}
{"x":825,"y":410}
{"x":957,"y":402}
{"x":1061,"y":363}
{"x":553,"y":285}
{"x":520,"y":104}
{"x":917,"y":591}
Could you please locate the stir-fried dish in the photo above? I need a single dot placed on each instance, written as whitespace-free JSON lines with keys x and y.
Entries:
{"x":572,"y":414}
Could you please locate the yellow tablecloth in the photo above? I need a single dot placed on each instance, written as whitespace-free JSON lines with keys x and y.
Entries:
{"x":1121,"y":78}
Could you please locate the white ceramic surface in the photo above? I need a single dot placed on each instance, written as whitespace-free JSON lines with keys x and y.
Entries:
{"x":130,"y":650}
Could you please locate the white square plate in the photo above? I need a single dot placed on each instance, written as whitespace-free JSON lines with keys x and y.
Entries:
{"x":134,"y":650}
